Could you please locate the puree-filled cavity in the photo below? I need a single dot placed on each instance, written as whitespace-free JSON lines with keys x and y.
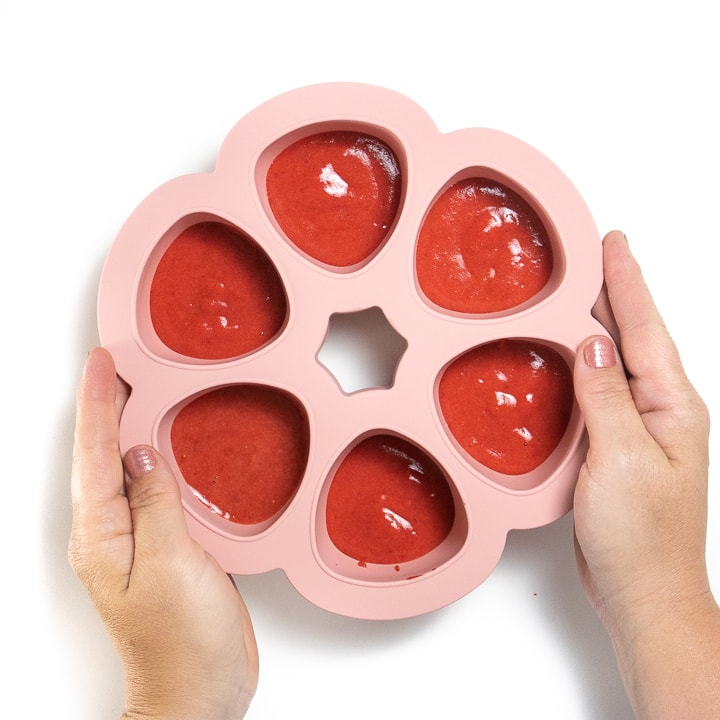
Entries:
{"x":335,"y":195}
{"x":508,"y":403}
{"x":215,"y":294}
{"x":388,"y":502}
{"x":482,"y":249}
{"x":242,"y":449}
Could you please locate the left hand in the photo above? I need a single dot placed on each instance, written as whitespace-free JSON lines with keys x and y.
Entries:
{"x":181,"y":629}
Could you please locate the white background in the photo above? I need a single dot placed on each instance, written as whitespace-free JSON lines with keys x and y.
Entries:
{"x":102,"y":102}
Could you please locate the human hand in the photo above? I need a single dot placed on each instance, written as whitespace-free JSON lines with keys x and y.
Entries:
{"x":641,"y":501}
{"x":181,"y":629}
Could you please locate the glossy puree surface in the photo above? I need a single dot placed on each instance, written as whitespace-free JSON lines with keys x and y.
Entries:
{"x":215,"y":294}
{"x":508,"y":403}
{"x":335,"y":195}
{"x":389,"y":502}
{"x":482,"y":249}
{"x":242,"y":449}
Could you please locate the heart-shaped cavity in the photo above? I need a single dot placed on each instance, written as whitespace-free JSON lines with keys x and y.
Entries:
{"x":335,"y":195}
{"x":215,"y":294}
{"x":243,"y":450}
{"x":508,"y":403}
{"x":482,"y":249}
{"x":389,"y":502}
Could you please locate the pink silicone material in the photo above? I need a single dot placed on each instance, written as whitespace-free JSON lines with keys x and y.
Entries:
{"x":487,"y":504}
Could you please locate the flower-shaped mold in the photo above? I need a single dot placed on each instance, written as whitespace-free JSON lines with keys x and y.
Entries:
{"x":343,"y":200}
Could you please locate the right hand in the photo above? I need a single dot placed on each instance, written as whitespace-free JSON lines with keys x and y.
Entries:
{"x":641,"y":502}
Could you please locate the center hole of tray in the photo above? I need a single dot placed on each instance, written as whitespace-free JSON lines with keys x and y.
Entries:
{"x":362,"y":350}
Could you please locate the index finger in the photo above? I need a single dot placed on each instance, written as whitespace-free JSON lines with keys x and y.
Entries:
{"x":99,"y":510}
{"x":660,"y":388}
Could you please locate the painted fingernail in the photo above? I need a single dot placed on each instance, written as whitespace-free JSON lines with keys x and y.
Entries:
{"x":599,"y":353}
{"x":140,"y":461}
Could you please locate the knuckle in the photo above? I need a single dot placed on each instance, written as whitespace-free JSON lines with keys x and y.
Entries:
{"x":609,"y":390}
{"x":146,"y":493}
{"x":79,"y":560}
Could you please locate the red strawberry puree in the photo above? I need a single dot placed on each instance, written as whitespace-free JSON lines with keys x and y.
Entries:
{"x":335,"y":195}
{"x":388,"y":503}
{"x":482,"y":249}
{"x":243,"y":450}
{"x":508,"y":403}
{"x":215,"y":294}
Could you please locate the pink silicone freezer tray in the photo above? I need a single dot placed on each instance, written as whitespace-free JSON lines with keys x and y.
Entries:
{"x":487,"y":503}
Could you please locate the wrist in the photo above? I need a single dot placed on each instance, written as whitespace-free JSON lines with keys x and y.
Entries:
{"x":665,"y":592}
{"x":190,"y":706}
{"x":668,"y":653}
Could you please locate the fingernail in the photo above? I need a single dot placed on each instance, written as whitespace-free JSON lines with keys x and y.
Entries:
{"x":140,"y":461}
{"x":599,"y":353}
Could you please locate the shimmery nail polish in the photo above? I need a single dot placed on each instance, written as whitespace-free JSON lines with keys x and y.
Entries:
{"x":140,"y":461}
{"x":599,"y":353}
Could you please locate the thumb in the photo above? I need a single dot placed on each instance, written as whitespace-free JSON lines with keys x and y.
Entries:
{"x":604,"y":396}
{"x":154,"y":498}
